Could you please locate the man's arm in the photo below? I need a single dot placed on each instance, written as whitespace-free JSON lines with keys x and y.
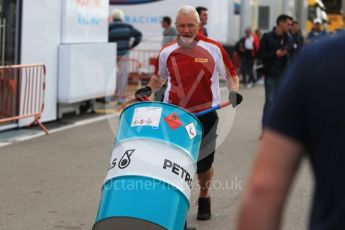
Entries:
{"x":233,"y":82}
{"x":156,"y":83}
{"x":226,"y":69}
{"x":137,"y":35}
{"x":277,"y":160}
{"x":143,"y":93}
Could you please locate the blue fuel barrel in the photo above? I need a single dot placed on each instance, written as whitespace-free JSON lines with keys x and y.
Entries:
{"x":152,"y":168}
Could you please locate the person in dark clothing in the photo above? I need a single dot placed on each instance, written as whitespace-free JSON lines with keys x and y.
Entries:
{"x":276,"y":48}
{"x":169,"y":32}
{"x":247,"y":50}
{"x":317,"y":32}
{"x":297,"y":37}
{"x":307,"y":119}
{"x":122,"y":33}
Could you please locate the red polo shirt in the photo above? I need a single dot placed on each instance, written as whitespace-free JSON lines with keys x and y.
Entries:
{"x":193,"y":73}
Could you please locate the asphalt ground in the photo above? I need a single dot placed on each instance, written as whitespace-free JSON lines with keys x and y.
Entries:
{"x":54,"y":181}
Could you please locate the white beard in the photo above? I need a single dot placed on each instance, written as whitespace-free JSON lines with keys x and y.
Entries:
{"x":186,"y":40}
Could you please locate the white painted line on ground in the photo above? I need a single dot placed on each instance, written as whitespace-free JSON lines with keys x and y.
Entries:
{"x":84,"y":122}
{"x":20,"y":139}
{"x":76,"y":124}
{"x":5,"y":144}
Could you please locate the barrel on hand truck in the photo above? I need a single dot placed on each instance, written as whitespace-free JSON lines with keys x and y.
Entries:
{"x":152,"y":167}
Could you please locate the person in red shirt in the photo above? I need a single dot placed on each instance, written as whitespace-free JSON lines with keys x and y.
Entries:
{"x":257,"y":37}
{"x":191,"y":67}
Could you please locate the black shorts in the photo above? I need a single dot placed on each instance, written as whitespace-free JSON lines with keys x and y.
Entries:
{"x":208,"y":142}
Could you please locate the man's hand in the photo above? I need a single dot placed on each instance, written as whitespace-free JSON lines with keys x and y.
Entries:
{"x":235,"y":98}
{"x":281,"y":52}
{"x":141,"y":93}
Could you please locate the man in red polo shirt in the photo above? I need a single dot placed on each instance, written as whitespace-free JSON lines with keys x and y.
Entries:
{"x":191,"y":67}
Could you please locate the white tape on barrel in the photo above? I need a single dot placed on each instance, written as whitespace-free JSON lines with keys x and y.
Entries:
{"x":155,"y":160}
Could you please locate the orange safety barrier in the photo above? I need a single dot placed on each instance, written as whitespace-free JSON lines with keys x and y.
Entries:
{"x":22,"y":89}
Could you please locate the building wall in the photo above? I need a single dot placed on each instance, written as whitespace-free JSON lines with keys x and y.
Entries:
{"x":276,"y":9}
{"x":40,"y":37}
{"x":294,"y":8}
{"x":46,"y":25}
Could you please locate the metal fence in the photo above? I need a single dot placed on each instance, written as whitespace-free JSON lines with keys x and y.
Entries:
{"x":22,"y":89}
{"x":141,"y":68}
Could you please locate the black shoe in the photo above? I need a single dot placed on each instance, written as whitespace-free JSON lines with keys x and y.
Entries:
{"x":190,"y":228}
{"x":204,"y":209}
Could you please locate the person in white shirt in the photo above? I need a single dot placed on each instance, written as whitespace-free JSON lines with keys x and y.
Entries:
{"x":247,"y":50}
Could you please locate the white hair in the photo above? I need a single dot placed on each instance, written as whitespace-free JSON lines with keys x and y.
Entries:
{"x":186,"y":10}
{"x":118,"y":14}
